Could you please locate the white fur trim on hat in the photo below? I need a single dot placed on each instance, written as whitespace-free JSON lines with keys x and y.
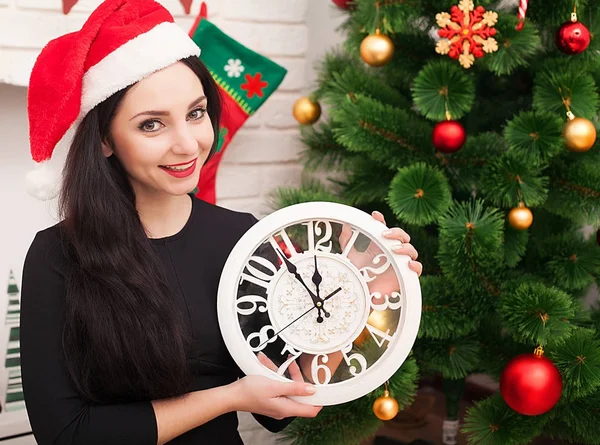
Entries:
{"x":42,"y":182}
{"x":143,"y":55}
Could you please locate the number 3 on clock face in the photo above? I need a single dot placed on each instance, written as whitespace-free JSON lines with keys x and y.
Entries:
{"x":315,"y":289}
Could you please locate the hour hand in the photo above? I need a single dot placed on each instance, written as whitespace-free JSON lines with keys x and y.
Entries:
{"x":291,"y":267}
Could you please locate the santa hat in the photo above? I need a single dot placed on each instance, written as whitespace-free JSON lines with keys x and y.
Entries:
{"x":122,"y":42}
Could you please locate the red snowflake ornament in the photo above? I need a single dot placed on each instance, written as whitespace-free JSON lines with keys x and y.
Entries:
{"x":466,"y":32}
{"x":254,"y":85}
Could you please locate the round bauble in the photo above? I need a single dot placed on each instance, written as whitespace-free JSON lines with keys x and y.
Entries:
{"x":306,"y":111}
{"x":377,"y":49}
{"x":343,"y":4}
{"x":579,"y":134}
{"x":448,"y":136}
{"x":531,"y":384}
{"x":385,"y":407}
{"x":520,"y":218}
{"x":572,"y":38}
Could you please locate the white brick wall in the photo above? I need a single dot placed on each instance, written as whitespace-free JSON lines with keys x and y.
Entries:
{"x":274,"y":28}
{"x":261,"y":157}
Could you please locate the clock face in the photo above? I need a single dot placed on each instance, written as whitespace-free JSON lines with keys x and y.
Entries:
{"x":313,"y":292}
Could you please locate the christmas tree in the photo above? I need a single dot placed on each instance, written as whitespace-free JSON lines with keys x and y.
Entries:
{"x":472,"y":125}
{"x":14,"y":390}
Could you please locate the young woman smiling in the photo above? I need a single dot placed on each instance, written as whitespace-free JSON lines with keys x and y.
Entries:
{"x":120,"y":342}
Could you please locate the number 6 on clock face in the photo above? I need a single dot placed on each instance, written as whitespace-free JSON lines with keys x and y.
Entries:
{"x":317,"y":290}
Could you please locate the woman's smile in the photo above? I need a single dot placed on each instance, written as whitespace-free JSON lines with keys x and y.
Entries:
{"x":180,"y":170}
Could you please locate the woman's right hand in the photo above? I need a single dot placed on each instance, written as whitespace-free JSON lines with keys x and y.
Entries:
{"x":261,"y":395}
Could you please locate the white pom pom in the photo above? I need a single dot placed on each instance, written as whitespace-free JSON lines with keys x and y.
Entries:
{"x":42,"y":183}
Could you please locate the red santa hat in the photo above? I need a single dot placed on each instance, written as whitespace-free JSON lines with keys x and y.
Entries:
{"x":122,"y":42}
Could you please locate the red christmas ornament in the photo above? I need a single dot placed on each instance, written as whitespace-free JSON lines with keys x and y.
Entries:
{"x":286,"y":251}
{"x":531,"y":384}
{"x":448,"y":136}
{"x":572,"y":38}
{"x":344,"y":4}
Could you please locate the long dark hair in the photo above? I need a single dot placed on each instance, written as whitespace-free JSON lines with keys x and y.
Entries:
{"x":124,"y":339}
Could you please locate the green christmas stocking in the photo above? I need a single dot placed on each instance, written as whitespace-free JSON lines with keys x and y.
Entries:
{"x":245,"y":78}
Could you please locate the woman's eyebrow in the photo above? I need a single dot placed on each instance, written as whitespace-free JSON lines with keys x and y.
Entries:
{"x":166,"y":113}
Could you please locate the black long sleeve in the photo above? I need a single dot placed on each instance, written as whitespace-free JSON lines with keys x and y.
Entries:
{"x":193,"y":261}
{"x":58,"y":414}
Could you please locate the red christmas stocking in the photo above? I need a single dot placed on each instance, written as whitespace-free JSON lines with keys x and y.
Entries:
{"x":245,"y":78}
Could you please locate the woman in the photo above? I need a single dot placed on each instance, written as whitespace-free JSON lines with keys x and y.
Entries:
{"x":119,"y":336}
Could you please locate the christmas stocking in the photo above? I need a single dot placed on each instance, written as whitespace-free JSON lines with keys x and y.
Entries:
{"x":245,"y":78}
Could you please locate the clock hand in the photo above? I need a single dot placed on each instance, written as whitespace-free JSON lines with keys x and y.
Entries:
{"x":284,"y":328}
{"x":332,"y":294}
{"x":294,"y":321}
{"x":291,"y":267}
{"x":317,"y":279}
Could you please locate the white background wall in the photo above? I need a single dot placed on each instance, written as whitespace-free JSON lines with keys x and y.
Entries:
{"x":262,"y":156}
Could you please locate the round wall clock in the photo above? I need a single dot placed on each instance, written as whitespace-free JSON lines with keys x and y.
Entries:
{"x":313,"y":292}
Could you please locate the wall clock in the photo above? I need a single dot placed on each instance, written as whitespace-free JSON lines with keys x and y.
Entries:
{"x":316,"y":290}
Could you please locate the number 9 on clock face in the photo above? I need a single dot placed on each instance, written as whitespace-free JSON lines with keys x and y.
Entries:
{"x":314,"y":293}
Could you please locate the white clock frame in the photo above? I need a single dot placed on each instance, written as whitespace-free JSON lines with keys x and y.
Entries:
{"x":410,"y":290}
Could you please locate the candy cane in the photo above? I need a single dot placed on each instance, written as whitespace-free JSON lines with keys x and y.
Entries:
{"x":521,"y":14}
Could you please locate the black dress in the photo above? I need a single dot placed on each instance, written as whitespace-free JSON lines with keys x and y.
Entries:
{"x":193,"y":260}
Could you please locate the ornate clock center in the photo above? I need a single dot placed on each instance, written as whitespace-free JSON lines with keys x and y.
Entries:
{"x":345,"y":312}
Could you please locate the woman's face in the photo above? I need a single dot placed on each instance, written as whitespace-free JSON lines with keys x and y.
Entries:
{"x":162,"y":133}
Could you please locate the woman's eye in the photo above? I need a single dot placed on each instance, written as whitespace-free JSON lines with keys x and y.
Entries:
{"x":150,"y":126}
{"x":198,"y":113}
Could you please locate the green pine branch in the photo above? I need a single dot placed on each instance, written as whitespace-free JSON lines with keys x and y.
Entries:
{"x":509,"y":180}
{"x":419,"y":194}
{"x":443,"y":88}
{"x":515,"y":48}
{"x":535,"y":137}
{"x":492,"y":422}
{"x":537,"y":314}
{"x":470,"y":245}
{"x":445,"y":314}
{"x":578,"y":360}
{"x":385,"y":134}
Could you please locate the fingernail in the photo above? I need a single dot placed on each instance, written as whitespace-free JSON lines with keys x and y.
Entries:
{"x":397,"y":247}
{"x":387,"y":232}
{"x":311,"y":389}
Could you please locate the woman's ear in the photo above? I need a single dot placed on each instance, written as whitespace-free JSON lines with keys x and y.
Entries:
{"x":107,"y":149}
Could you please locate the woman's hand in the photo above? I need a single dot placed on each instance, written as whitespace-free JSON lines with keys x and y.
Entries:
{"x":261,"y":395}
{"x":406,"y":248}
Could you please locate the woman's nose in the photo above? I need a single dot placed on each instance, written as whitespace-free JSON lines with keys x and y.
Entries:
{"x":184,"y":141}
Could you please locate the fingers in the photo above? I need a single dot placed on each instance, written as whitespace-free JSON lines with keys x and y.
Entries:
{"x":378,"y":216}
{"x":295,"y":372}
{"x":415,"y":266}
{"x":265,"y":361}
{"x":406,"y":249}
{"x":297,"y":389}
{"x":345,"y":235}
{"x":397,"y":233}
{"x":297,"y":409}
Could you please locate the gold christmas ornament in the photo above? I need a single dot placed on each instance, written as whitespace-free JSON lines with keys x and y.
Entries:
{"x":377,"y":49}
{"x":579,"y":134}
{"x":306,"y":111}
{"x":385,"y":407}
{"x":377,"y":319}
{"x":520,"y":218}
